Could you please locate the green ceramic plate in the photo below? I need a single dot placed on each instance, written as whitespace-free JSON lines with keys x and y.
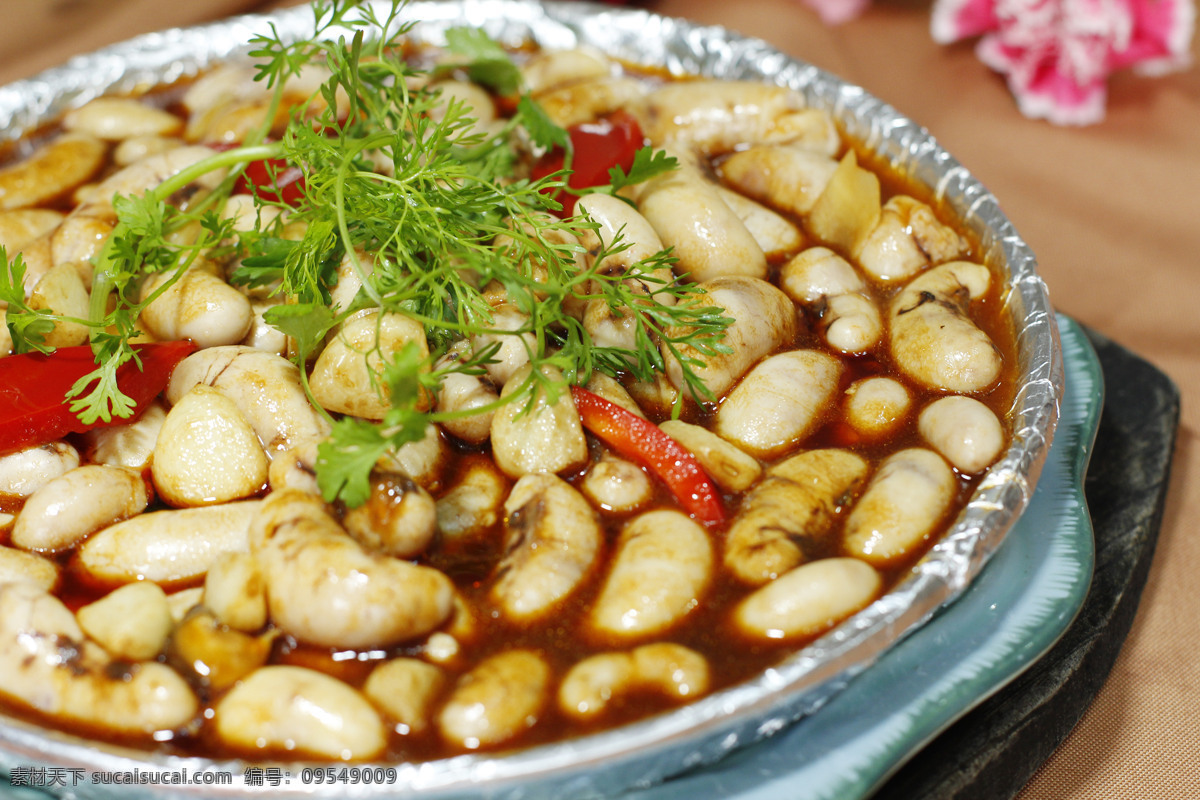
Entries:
{"x":1016,"y":609}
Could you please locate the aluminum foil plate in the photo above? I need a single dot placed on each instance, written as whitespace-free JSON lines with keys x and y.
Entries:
{"x":639,"y":754}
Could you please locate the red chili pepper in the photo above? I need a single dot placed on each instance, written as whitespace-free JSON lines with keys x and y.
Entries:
{"x":33,"y":388}
{"x":272,"y":179}
{"x":598,"y":146}
{"x":643,"y":441}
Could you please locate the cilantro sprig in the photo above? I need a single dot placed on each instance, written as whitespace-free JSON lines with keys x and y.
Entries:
{"x":404,"y":187}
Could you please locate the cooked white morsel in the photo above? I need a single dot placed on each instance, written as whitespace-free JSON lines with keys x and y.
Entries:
{"x":85,"y":229}
{"x":497,"y":700}
{"x":907,"y":239}
{"x":348,"y":375}
{"x":610,"y":327}
{"x":808,"y":600}
{"x":851,"y":323}
{"x":64,"y":511}
{"x":715,"y":116}
{"x":227,"y":106}
{"x":706,"y":237}
{"x":790,"y":513}
{"x":560,"y":238}
{"x":764,"y":320}
{"x":551,"y":68}
{"x":324,"y":589}
{"x":932,"y":336}
{"x":136,"y":148}
{"x":61,"y":291}
{"x":626,"y":238}
{"x":671,"y":670}
{"x":586,"y":100}
{"x":472,"y":97}
{"x":263,"y":335}
{"x":116,"y":118}
{"x":207,"y":453}
{"x":510,"y":330}
{"x":218,"y":85}
{"x":462,"y":393}
{"x":785,"y":177}
{"x":776,"y":235}
{"x":183,"y":601}
{"x":660,"y":573}
{"x":552,"y":540}
{"x":166,"y":547}
{"x":247,"y":215}
{"x":780,"y":402}
{"x":351,"y":270}
{"x":618,"y":485}
{"x":128,"y":445}
{"x":829,"y":285}
{"x":295,"y":468}
{"x":876,"y":406}
{"x":132,"y":621}
{"x":25,"y":471}
{"x":213,"y":655}
{"x":265,"y":387}
{"x":442,"y":648}
{"x":623,"y":241}
{"x":235,"y":590}
{"x":732,"y":468}
{"x":54,"y":170}
{"x":50,"y":667}
{"x":537,"y":437}
{"x":423,"y":460}
{"x":464,"y":624}
{"x":147,"y":174}
{"x":300,"y":711}
{"x":965,"y":431}
{"x":613,"y":391}
{"x":399,"y":517}
{"x":79,"y":239}
{"x":20,"y":226}
{"x":657,"y":396}
{"x":17,"y":565}
{"x":901,"y":507}
{"x":848,"y":208}
{"x":474,"y":503}
{"x":199,"y":306}
{"x":405,"y":689}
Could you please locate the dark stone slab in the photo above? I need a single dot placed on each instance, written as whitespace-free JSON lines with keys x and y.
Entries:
{"x":993,"y":751}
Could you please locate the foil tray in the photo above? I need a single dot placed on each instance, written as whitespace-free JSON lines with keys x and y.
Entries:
{"x":642,"y":753}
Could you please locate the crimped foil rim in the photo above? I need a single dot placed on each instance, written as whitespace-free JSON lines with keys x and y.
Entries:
{"x":648,"y":751}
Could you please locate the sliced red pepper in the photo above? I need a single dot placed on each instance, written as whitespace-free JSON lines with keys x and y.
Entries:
{"x":598,"y":147}
{"x":33,"y":388}
{"x":642,"y":441}
{"x":272,"y":179}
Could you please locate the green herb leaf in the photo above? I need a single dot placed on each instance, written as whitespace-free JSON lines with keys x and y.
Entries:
{"x":487,"y":63}
{"x":306,"y":323}
{"x":647,"y":162}
{"x":543,"y":131}
{"x":345,"y":460}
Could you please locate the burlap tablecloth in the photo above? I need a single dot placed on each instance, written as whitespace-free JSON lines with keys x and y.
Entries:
{"x":1113,"y":213}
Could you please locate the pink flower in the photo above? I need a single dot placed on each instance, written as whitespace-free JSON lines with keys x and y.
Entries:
{"x":1058,"y":54}
{"x":835,"y":12}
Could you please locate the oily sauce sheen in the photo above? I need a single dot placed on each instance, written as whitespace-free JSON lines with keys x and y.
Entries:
{"x":732,"y":655}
